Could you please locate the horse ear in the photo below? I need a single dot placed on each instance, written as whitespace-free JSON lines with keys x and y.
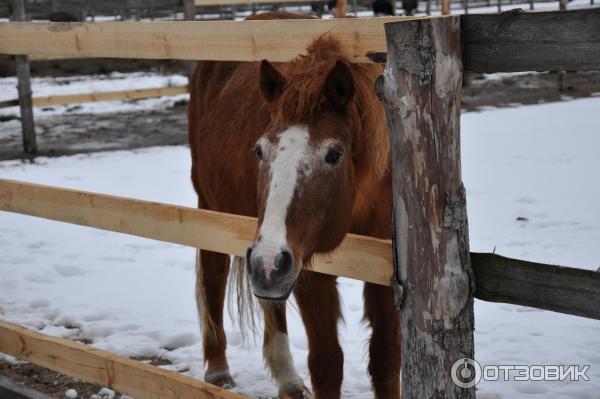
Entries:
{"x":339,"y":87}
{"x":271,"y":81}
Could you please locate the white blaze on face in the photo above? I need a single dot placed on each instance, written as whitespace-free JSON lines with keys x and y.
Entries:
{"x":289,"y":155}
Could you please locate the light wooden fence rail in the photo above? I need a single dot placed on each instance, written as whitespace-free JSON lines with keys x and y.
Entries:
{"x":101,"y":96}
{"x":275,"y":40}
{"x":498,"y":279}
{"x":569,"y":41}
{"x":125,"y":375}
{"x":109,"y":96}
{"x":214,"y":231}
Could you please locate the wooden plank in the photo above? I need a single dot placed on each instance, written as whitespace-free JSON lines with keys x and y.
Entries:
{"x":9,"y":103}
{"x":97,"y":366}
{"x":543,"y":41}
{"x":275,"y":40}
{"x":101,"y":96}
{"x":559,"y":289}
{"x":421,"y":90}
{"x":358,"y":257}
{"x":109,"y":96}
{"x":24,"y":89}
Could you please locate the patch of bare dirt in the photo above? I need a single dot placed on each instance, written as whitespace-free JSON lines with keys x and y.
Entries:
{"x":55,"y":384}
{"x":46,"y":381}
{"x":524,"y":89}
{"x":82,"y":133}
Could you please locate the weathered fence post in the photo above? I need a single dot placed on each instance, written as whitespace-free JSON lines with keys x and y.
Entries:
{"x":421,"y":91}
{"x":189,"y":10}
{"x":445,"y":7}
{"x":189,"y":14}
{"x":341,"y":8}
{"x":562,"y":5}
{"x":24,"y":88}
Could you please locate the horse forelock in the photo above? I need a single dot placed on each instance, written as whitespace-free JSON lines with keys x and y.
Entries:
{"x":303,"y":100}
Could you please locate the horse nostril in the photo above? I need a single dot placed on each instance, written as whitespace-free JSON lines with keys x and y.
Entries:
{"x":283,"y":262}
{"x":248,"y":256}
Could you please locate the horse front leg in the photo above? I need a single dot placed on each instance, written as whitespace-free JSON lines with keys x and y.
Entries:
{"x":276,"y":351}
{"x":212,"y":270}
{"x":384,"y":346}
{"x":319,"y":305}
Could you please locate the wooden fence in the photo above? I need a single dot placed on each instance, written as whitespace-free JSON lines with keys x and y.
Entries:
{"x":420,"y":90}
{"x":128,"y":95}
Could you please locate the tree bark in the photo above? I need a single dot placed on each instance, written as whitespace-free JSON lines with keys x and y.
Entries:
{"x":24,"y":88}
{"x":421,"y":91}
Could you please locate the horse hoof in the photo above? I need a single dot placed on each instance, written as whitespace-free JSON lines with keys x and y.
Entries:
{"x":296,"y":392}
{"x":220,"y":378}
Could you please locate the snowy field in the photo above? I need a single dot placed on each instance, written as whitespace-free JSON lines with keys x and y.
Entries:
{"x":135,"y":296}
{"x":83,"y":84}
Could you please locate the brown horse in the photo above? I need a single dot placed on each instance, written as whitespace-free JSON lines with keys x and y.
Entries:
{"x":304,"y":147}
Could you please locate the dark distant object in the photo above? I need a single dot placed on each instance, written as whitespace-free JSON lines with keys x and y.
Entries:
{"x":409,"y":6}
{"x":383,"y":7}
{"x":62,"y":16}
{"x":522,"y":219}
{"x":380,"y":7}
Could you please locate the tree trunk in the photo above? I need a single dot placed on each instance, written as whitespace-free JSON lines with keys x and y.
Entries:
{"x":421,"y":91}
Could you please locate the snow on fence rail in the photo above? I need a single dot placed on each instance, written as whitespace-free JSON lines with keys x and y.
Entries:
{"x":434,"y":276}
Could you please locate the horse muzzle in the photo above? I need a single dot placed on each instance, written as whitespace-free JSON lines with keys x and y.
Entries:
{"x":272,"y":273}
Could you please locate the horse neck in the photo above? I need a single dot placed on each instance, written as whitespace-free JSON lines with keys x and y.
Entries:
{"x":371,"y":214}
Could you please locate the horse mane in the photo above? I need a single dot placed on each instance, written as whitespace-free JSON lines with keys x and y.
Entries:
{"x":303,"y":99}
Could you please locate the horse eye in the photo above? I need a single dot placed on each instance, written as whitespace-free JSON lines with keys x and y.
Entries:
{"x":258,"y":150}
{"x":333,"y":156}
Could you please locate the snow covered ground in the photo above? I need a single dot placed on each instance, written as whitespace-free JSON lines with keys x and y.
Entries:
{"x":135,"y":296}
{"x":83,"y":84}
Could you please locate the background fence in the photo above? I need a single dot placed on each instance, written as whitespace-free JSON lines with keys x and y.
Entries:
{"x":65,"y":10}
{"x":484,"y":43}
